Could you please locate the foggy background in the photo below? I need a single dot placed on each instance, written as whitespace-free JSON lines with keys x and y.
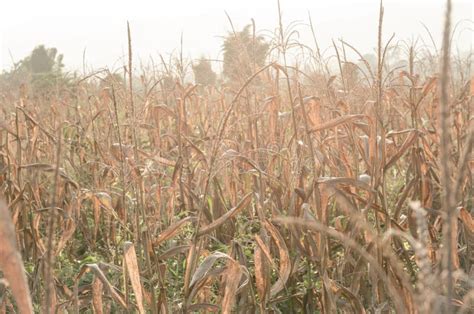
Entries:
{"x":93,"y":34}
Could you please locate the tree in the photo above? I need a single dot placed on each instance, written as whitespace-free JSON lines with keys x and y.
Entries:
{"x":203,"y":73}
{"x":45,"y":67}
{"x":44,"y":60}
{"x":243,"y":54}
{"x":41,"y":70}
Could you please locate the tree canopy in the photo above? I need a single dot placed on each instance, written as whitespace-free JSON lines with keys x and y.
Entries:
{"x":203,"y":73}
{"x":42,"y":60}
{"x":41,"y":69}
{"x":243,"y":54}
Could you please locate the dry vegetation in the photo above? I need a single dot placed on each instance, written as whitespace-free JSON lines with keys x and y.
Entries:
{"x":282,"y":192}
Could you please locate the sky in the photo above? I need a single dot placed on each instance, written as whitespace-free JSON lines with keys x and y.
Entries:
{"x":93,"y":33}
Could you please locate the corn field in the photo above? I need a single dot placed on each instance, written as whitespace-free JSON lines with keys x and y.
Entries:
{"x":300,"y":188}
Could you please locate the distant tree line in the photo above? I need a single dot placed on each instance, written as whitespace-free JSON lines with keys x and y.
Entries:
{"x":243,"y":54}
{"x":41,"y":70}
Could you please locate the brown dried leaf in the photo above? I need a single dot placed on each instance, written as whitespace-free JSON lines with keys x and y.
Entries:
{"x":355,"y":302}
{"x":172,"y":230}
{"x":328,"y":295}
{"x":265,"y":250}
{"x":131,"y":263}
{"x":429,"y":85}
{"x":232,"y":280}
{"x":410,"y":140}
{"x":164,"y":161}
{"x":173,"y":251}
{"x":285,"y":264}
{"x":69,"y":226}
{"x":96,"y":212}
{"x":467,"y":219}
{"x":261,"y":276}
{"x":206,"y":265}
{"x":345,"y":181}
{"x":191,"y":260}
{"x":338,"y":121}
{"x":105,"y":201}
{"x":11,"y":263}
{"x":231,"y":213}
{"x":97,"y":289}
{"x":107,"y":285}
{"x":176,"y":171}
{"x":331,"y":80}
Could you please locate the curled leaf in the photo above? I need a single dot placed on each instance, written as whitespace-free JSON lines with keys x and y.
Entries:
{"x":285,"y":264}
{"x":231,"y":213}
{"x":172,"y":230}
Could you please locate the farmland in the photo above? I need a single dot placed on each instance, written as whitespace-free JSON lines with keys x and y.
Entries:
{"x":298,"y":181}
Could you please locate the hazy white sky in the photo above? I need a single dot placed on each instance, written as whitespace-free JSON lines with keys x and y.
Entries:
{"x":99,"y":27}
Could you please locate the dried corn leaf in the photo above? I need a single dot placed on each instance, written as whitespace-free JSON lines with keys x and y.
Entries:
{"x":232,"y":280}
{"x":357,"y":306}
{"x":410,"y":140}
{"x":107,"y":285}
{"x":172,"y":230}
{"x":131,"y":264}
{"x":11,"y":263}
{"x":173,"y":251}
{"x":231,"y":213}
{"x":338,"y":121}
{"x":206,"y":265}
{"x":261,"y":276}
{"x":284,"y":256}
{"x":97,"y":290}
